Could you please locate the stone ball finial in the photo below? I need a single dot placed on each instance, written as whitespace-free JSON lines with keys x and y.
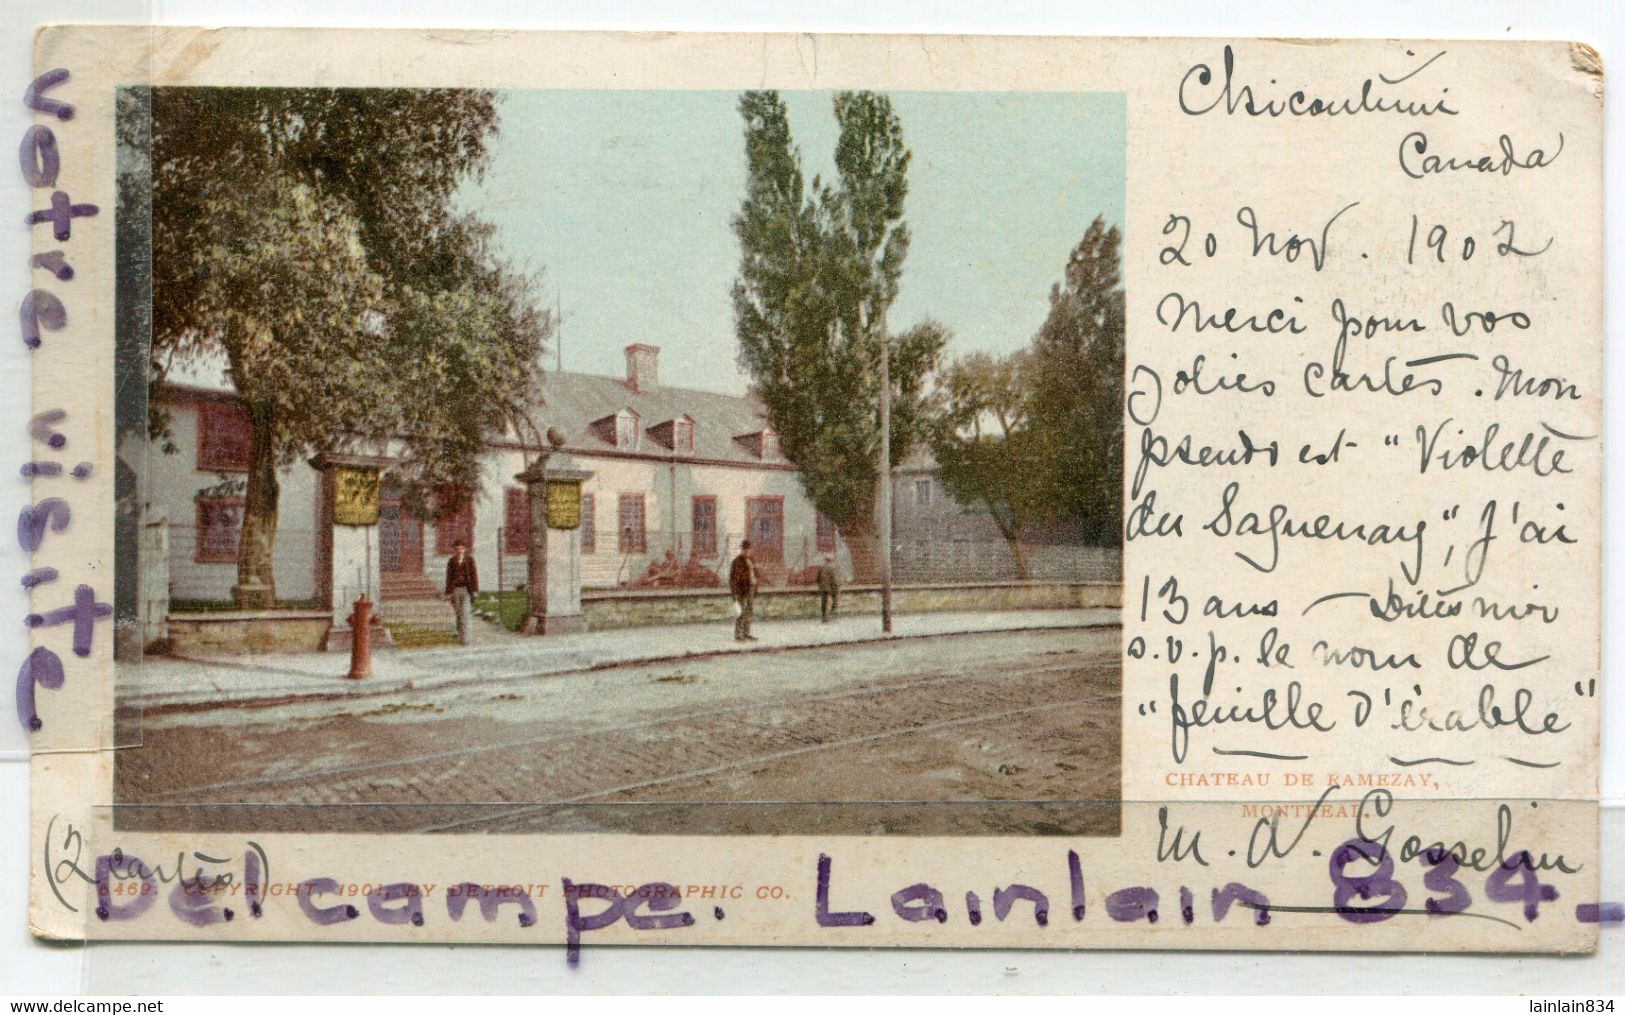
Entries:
{"x":555,"y":437}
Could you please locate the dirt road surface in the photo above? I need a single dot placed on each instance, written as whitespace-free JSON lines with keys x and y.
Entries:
{"x":989,"y":734}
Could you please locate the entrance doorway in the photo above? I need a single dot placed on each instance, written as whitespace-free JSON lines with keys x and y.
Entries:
{"x":764,"y":527}
{"x":400,"y":551}
{"x":400,"y":540}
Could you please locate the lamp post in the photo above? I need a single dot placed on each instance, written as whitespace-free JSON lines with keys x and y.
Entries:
{"x":885,"y":479}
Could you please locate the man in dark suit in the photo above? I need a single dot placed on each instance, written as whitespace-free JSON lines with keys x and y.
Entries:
{"x":742,"y":582}
{"x":829,"y":589}
{"x":462,"y":581}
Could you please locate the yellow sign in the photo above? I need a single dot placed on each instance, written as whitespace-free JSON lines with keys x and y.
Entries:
{"x":563,"y":504}
{"x":355,"y":496}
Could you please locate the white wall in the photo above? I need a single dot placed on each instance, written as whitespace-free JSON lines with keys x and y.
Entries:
{"x":731,"y":486}
{"x":172,"y":484}
{"x":605,"y":565}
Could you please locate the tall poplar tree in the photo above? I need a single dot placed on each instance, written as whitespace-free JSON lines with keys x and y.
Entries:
{"x":819,"y":269}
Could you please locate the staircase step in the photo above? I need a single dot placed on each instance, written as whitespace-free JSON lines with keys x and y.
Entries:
{"x":412,"y":609}
{"x":407,"y":587}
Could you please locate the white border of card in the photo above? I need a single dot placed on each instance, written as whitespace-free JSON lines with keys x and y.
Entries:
{"x":1379,"y":729}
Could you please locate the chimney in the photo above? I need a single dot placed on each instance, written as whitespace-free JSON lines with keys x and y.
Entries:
{"x":641,"y":366}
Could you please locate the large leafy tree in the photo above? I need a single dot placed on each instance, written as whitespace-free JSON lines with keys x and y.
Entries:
{"x":309,"y":237}
{"x":819,"y":269}
{"x":1076,"y":409}
{"x":988,"y":453}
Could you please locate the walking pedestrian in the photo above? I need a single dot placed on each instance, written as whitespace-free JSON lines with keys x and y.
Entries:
{"x":829,"y":589}
{"x":742,"y":583}
{"x":462,"y":582}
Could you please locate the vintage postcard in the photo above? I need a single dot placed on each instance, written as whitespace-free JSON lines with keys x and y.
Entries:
{"x":815,"y":490}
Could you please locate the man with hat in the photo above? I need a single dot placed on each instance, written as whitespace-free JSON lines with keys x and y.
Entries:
{"x":829,"y":589}
{"x":462,"y":583}
{"x":742,"y":582}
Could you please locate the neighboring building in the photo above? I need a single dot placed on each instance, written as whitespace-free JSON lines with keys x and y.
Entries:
{"x":675,"y":470}
{"x":936,"y":539}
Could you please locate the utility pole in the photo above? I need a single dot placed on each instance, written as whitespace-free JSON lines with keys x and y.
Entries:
{"x":885,"y":478}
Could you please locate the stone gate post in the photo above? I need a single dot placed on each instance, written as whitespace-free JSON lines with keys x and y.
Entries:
{"x":553,"y":587}
{"x":347,"y":562}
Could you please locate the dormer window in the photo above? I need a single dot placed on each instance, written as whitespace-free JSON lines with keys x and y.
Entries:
{"x":620,"y":430}
{"x":763,"y":444}
{"x":675,"y":434}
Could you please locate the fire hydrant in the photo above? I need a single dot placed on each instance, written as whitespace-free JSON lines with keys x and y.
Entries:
{"x":360,"y":642}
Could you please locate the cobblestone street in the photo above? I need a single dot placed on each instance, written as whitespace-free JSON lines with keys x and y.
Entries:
{"x":991,"y":733}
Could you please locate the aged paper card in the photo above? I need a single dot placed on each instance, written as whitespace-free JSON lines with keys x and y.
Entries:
{"x":461,"y":515}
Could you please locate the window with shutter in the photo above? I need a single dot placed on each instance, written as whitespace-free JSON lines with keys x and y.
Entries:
{"x":219,"y":530}
{"x":634,"y":537}
{"x":826,"y":534}
{"x":705,"y":526}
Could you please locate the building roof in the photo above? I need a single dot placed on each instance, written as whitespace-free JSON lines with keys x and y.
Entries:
{"x":920,"y":459}
{"x":573,"y":402}
{"x":580,"y":404}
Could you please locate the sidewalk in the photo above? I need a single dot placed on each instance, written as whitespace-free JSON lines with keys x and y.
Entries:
{"x":162,"y":682}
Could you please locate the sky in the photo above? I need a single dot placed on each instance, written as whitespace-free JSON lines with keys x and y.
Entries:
{"x":624,"y":200}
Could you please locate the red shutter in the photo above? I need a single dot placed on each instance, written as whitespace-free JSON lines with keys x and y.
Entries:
{"x":454,"y":520}
{"x":223,"y":438}
{"x":516,"y":533}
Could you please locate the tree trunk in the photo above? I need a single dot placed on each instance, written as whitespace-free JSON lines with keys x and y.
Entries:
{"x":863,"y":543}
{"x":1010,"y":526}
{"x":256,"y":585}
{"x":1018,"y":551}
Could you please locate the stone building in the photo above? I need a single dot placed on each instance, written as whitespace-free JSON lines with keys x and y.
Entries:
{"x":675,"y":471}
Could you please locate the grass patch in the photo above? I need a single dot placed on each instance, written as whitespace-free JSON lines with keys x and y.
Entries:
{"x":506,"y":607}
{"x":227,"y":606}
{"x":408,"y":636}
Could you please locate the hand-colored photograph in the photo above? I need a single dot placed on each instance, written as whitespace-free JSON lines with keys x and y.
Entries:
{"x":644,"y":462}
